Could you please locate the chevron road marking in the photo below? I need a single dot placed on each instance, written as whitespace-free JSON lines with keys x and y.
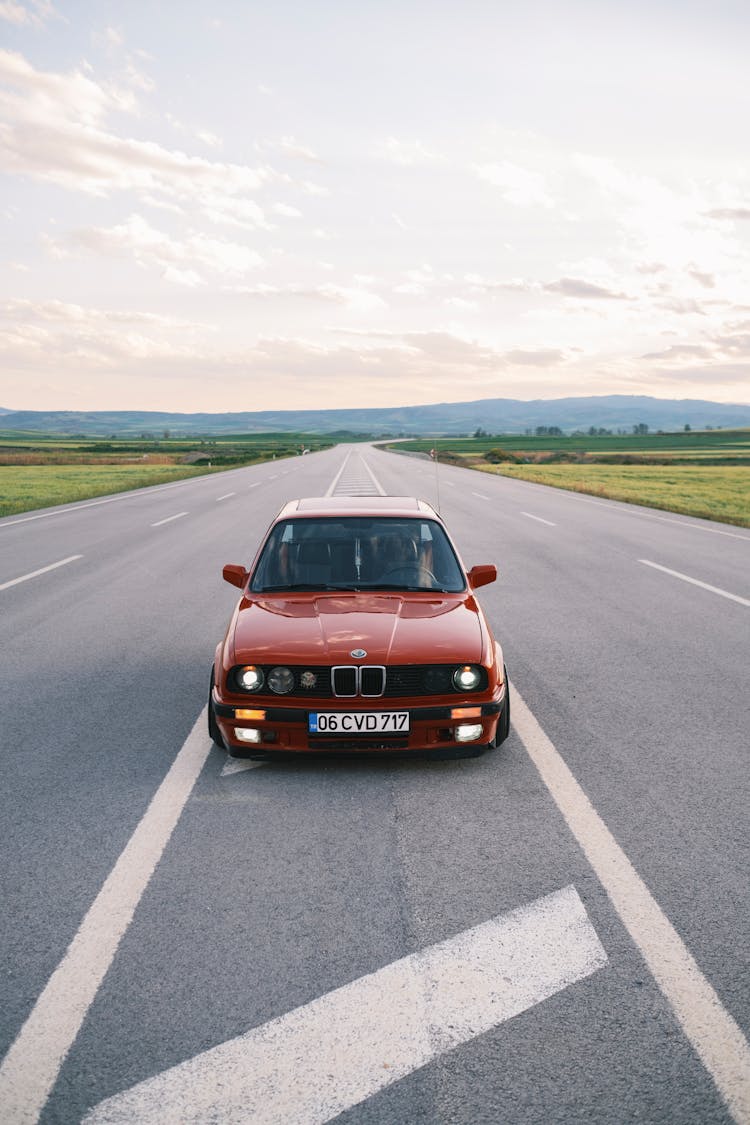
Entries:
{"x":319,"y":1060}
{"x":238,"y":765}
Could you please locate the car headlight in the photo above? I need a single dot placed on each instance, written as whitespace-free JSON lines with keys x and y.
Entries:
{"x":249,"y":678}
{"x":467,"y":677}
{"x":281,"y":680}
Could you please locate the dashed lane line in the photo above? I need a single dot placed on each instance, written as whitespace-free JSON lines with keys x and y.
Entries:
{"x":133,"y":494}
{"x":696,"y":582}
{"x":633,"y":510}
{"x":539,"y":519}
{"x":169,"y":519}
{"x":42,"y":570}
{"x":225,"y":496}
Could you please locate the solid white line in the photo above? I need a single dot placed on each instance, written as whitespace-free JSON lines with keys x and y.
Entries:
{"x":539,"y":519}
{"x":319,"y":1060}
{"x":373,"y":478}
{"x":169,"y":519}
{"x":696,"y":582}
{"x":480,"y":495}
{"x":31,"y":1067}
{"x":42,"y":570}
{"x":225,"y":496}
{"x":339,"y":474}
{"x":711,"y":1030}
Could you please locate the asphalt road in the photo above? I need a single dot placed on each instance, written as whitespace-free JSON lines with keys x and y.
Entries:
{"x":626,"y":635}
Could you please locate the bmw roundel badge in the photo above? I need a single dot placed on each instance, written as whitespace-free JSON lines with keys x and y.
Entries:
{"x":358,"y":654}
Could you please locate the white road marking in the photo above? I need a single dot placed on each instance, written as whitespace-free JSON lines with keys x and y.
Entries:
{"x":30,"y":1069}
{"x":134,"y":494}
{"x":225,"y":496}
{"x":373,"y":478}
{"x":317,"y":1061}
{"x":42,"y":570}
{"x":626,"y":509}
{"x":480,"y":495}
{"x":169,"y":519}
{"x":255,"y":485}
{"x":238,"y":765}
{"x":339,"y":474}
{"x":449,"y":484}
{"x":539,"y":519}
{"x":696,"y":582}
{"x":713,"y":1033}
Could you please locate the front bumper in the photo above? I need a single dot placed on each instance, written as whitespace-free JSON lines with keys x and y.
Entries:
{"x":284,"y":730}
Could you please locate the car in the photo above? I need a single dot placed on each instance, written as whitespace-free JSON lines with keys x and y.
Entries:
{"x":358,"y":631}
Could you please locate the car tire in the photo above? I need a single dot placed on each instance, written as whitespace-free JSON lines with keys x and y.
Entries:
{"x":503,"y":724}
{"x":213,"y":727}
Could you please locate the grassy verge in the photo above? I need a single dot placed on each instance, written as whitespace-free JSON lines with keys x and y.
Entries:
{"x":26,"y":487}
{"x":714,"y":492}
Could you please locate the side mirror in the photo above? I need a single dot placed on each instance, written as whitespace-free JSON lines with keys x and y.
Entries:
{"x":481,"y":575}
{"x":235,"y":575}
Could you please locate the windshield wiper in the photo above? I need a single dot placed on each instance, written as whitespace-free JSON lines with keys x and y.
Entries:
{"x":292,"y":587}
{"x":389,"y":586}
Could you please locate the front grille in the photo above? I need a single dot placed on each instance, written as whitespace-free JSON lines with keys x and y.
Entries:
{"x":371,"y":681}
{"x":344,"y":681}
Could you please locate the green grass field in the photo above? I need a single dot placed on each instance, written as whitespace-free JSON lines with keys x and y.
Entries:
{"x":26,"y":487}
{"x":715,"y":492}
{"x":695,"y":443}
{"x":42,"y":470}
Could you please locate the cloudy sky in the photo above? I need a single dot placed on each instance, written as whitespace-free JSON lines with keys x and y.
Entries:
{"x":251,"y":205}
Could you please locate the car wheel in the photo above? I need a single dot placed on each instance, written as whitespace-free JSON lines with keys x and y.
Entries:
{"x":213,"y":726}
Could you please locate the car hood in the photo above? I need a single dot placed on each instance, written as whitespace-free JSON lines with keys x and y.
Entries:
{"x":324,"y":629}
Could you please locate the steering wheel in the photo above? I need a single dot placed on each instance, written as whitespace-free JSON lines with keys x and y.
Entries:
{"x":408,"y":573}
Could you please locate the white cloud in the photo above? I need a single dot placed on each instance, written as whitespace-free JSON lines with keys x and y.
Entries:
{"x":359,"y":299}
{"x":291,"y":147}
{"x":64,"y":312}
{"x":576,"y":287}
{"x":519,"y":186}
{"x":34,"y":14}
{"x":409,"y":154}
{"x":186,"y":261}
{"x":52,"y":129}
{"x":287,"y":211}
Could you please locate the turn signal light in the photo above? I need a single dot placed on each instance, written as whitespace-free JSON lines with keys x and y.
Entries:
{"x":248,"y":713}
{"x":466,"y":712}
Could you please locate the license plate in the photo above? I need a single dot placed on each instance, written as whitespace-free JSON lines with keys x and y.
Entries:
{"x":358,"y":722}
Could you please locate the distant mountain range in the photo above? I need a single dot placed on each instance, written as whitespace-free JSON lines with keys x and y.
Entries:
{"x":493,"y":415}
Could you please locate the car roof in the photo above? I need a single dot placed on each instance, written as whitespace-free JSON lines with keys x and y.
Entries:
{"x":358,"y":506}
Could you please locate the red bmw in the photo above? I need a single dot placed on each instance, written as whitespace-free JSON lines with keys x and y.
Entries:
{"x":358,"y":630}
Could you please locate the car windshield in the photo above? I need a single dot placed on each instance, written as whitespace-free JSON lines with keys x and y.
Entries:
{"x":357,"y":553}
